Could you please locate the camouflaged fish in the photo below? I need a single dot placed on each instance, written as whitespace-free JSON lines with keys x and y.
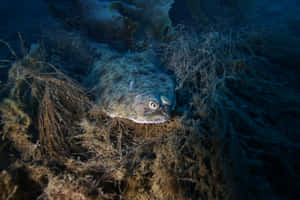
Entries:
{"x":129,"y":86}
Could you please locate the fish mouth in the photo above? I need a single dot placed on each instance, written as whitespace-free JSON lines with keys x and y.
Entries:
{"x":166,"y":115}
{"x":149,"y":122}
{"x":166,"y":111}
{"x":161,"y":118}
{"x":143,"y":121}
{"x":163,"y":115}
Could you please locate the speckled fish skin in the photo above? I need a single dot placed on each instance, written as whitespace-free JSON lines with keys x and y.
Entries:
{"x":129,"y":86}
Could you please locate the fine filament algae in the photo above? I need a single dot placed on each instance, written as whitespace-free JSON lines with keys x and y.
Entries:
{"x":72,"y":150}
{"x":97,"y":157}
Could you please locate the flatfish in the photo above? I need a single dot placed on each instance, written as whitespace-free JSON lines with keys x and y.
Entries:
{"x":130,"y":86}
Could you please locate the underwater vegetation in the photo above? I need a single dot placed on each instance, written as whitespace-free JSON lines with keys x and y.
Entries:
{"x":232,"y":133}
{"x":108,"y":158}
{"x":70,"y":149}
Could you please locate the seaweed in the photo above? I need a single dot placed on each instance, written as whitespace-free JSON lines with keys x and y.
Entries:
{"x":53,"y":101}
{"x":229,"y":88}
{"x":213,"y":148}
{"x":75,"y":151}
{"x":15,"y":128}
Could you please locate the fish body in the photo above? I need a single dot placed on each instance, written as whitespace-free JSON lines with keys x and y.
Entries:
{"x":130,"y":86}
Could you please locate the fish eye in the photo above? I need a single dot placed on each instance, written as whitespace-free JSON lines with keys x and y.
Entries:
{"x":153,"y":105}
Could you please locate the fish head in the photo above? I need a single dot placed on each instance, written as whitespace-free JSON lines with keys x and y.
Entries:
{"x":153,"y":107}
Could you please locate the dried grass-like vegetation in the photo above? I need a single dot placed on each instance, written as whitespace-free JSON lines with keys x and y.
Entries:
{"x":204,"y":62}
{"x":53,"y":100}
{"x":233,"y":94}
{"x":16,"y":124}
{"x":71,"y":150}
{"x":87,"y":155}
{"x":74,"y":151}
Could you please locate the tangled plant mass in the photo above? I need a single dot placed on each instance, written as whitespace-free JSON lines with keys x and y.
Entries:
{"x":69,"y":149}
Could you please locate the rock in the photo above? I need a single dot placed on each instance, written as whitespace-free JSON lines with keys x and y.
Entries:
{"x":115,"y":20}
